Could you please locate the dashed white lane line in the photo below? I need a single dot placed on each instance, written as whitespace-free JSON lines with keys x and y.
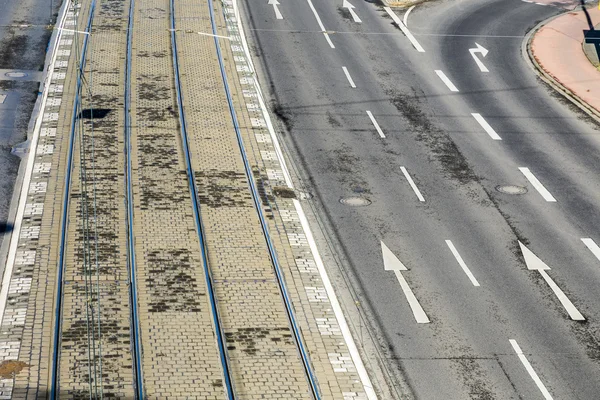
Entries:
{"x":412,"y":184}
{"x":537,"y":185}
{"x":447,"y":81}
{"x":461,"y":262}
{"x":406,"y":15}
{"x":312,"y":7}
{"x":405,"y":30}
{"x":352,"y":85}
{"x":376,"y":124}
{"x":592,"y":246}
{"x":490,"y":131}
{"x":530,"y":370}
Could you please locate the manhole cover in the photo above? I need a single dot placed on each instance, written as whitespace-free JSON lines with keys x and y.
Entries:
{"x":511,"y":189}
{"x":15,"y":74}
{"x":355,"y":201}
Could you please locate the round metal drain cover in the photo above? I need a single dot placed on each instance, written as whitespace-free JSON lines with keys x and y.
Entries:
{"x":355,"y":201}
{"x":511,"y":189}
{"x":15,"y":74}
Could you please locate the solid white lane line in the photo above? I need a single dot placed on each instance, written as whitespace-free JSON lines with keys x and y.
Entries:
{"x":592,"y":246}
{"x":447,"y":81}
{"x":537,"y":184}
{"x":462,"y":263}
{"x":412,"y":184}
{"x":312,"y":7}
{"x":574,"y":313}
{"x":404,"y":29}
{"x":376,"y":124}
{"x":530,"y":370}
{"x":352,"y":85}
{"x":414,"y":304}
{"x":406,"y":15}
{"x":490,"y":131}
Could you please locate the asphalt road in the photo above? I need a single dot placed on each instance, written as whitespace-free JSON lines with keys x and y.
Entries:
{"x":24,"y":36}
{"x":464,"y":352}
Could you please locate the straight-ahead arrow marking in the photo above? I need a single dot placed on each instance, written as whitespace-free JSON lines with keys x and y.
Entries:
{"x":392,"y":263}
{"x":483,"y":51}
{"x":350,"y":8}
{"x":533,"y":262}
{"x":275,"y":5}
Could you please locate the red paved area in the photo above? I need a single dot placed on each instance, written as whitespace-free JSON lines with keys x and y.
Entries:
{"x":557,"y":47}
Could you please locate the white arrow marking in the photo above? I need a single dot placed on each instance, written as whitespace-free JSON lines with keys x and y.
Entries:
{"x":462,"y":263}
{"x":490,"y":131}
{"x":391,"y":263}
{"x":537,"y":185}
{"x":483,"y":51}
{"x":530,"y":369}
{"x":404,"y":29}
{"x":592,"y":246}
{"x":534,"y":263}
{"x":350,"y":8}
{"x":275,"y":5}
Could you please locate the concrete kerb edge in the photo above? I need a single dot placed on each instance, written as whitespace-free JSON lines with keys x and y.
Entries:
{"x":549,"y":79}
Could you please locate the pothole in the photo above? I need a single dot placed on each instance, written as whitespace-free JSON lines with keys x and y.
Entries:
{"x":355,"y":201}
{"x":511,"y":189}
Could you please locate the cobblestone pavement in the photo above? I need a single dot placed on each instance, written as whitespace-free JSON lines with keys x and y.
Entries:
{"x":180,"y":357}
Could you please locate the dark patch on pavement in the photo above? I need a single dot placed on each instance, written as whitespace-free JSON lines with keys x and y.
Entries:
{"x":440,"y":144}
{"x":345,"y":13}
{"x":284,"y":116}
{"x":94,"y":113}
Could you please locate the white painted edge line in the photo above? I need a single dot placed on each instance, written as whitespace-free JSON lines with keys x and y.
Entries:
{"x":404,"y":29}
{"x":592,"y":246}
{"x":352,"y":85}
{"x":462,"y":263}
{"x":574,"y":313}
{"x":412,"y":184}
{"x":447,"y":81}
{"x":312,"y":7}
{"x":530,"y":370}
{"x":490,"y":131}
{"x":405,"y":19}
{"x":377,"y":127}
{"x":414,"y":304}
{"x":537,"y":184}
{"x":337,"y":309}
{"x":14,"y":238}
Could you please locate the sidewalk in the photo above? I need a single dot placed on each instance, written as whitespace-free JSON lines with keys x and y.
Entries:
{"x":558,"y":49}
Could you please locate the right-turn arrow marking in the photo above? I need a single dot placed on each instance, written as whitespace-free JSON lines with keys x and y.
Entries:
{"x":483,"y":51}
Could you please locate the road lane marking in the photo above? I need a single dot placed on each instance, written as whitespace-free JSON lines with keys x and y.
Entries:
{"x":537,"y":185}
{"x":447,"y":81}
{"x":406,"y":15}
{"x":275,"y":5}
{"x":462,"y":263}
{"x":350,"y":7}
{"x":412,"y":184}
{"x":312,"y":7}
{"x":376,"y":124}
{"x":592,"y":246}
{"x":530,"y":370}
{"x":484,"y":52}
{"x":392,"y":263}
{"x":405,"y":30}
{"x":210,"y":34}
{"x":533,"y":262}
{"x":352,"y":85}
{"x":490,"y":131}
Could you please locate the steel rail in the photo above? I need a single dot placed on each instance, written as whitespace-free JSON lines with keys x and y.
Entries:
{"x":198,"y":220}
{"x":256,"y":198}
{"x":64,"y":218}
{"x":135,"y":322}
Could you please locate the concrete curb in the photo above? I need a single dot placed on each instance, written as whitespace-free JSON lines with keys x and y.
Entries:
{"x":549,"y":79}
